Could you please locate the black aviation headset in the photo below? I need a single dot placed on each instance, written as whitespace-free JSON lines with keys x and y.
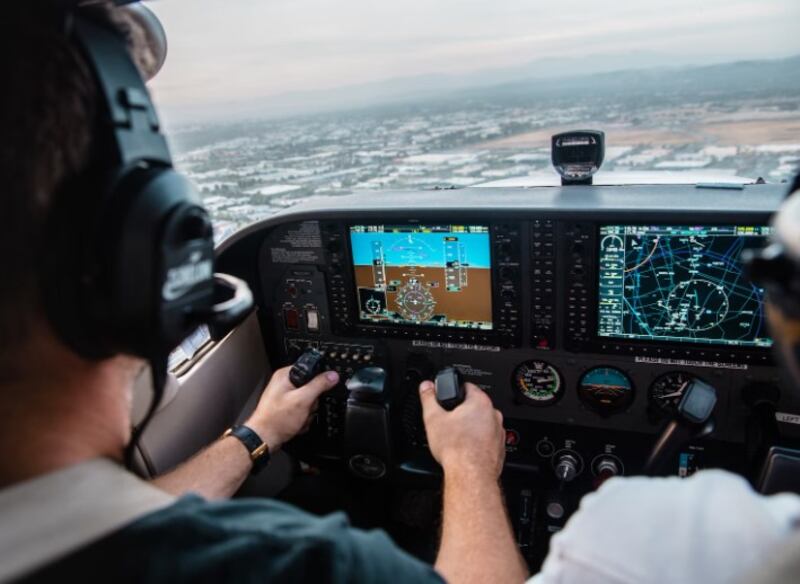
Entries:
{"x":777,"y":269}
{"x":129,"y":265}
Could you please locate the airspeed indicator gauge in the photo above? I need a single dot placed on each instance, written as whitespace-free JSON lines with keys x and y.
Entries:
{"x":538,"y":383}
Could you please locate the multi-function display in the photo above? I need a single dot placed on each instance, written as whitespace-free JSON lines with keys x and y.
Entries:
{"x":680,"y":283}
{"x":434,"y":275}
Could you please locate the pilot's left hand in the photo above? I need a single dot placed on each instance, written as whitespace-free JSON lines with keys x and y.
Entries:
{"x":284,"y":411}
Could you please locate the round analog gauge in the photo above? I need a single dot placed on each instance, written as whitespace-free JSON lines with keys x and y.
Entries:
{"x":606,"y":390}
{"x":667,"y":390}
{"x":539,"y":383}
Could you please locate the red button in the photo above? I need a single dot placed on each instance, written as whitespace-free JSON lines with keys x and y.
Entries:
{"x":291,"y":318}
{"x":512,"y":437}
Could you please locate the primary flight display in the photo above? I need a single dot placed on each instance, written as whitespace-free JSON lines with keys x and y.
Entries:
{"x":435,"y":275}
{"x":680,"y":283}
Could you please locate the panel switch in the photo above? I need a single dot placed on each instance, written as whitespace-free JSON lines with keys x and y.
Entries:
{"x":312,"y":320}
{"x":291,"y":318}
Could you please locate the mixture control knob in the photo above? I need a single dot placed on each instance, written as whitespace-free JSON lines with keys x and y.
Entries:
{"x":607,"y":467}
{"x":567,"y":467}
{"x":555,"y":510}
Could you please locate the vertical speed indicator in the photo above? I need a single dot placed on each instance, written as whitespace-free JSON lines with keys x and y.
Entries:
{"x":538,"y":383}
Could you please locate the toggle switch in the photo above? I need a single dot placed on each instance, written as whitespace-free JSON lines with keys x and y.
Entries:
{"x":291,"y":318}
{"x":312,"y":320}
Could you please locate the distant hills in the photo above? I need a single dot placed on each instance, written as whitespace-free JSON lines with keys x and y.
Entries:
{"x":767,"y":77}
{"x":648,"y":76}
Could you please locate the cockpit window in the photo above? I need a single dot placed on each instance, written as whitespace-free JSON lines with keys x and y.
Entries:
{"x":273,"y":103}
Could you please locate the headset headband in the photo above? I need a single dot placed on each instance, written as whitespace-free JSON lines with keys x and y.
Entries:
{"x":134,"y":128}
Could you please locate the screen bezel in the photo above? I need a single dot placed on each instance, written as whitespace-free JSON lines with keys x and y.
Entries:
{"x":355,"y":301}
{"x":709,"y":346}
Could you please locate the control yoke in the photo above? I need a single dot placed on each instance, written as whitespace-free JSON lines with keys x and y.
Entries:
{"x":693,"y":419}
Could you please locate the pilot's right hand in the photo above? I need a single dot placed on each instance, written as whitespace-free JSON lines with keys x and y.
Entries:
{"x":284,"y":411}
{"x":471,"y":436}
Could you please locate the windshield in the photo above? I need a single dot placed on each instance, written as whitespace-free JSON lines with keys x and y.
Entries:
{"x":269,"y":103}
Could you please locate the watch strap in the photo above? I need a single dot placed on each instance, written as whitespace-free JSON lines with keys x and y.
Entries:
{"x":256,"y":447}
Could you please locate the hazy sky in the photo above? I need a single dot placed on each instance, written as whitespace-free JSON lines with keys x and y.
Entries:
{"x":224,"y":51}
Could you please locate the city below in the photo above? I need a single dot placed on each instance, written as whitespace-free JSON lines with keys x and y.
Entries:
{"x":247,"y":171}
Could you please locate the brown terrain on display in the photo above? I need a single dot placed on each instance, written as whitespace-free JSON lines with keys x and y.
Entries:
{"x":471,"y":303}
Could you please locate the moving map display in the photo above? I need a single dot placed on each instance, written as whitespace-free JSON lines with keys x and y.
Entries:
{"x":680,"y":283}
{"x":434,"y":275}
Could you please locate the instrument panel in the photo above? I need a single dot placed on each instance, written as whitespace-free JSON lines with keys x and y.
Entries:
{"x":555,"y":320}
{"x":578,"y":311}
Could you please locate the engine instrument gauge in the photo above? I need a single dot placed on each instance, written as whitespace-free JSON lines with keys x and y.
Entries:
{"x":667,"y":390}
{"x":606,"y":390}
{"x":538,"y":383}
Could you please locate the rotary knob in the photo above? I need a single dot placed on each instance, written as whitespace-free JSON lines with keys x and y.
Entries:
{"x":567,"y":467}
{"x":607,"y":467}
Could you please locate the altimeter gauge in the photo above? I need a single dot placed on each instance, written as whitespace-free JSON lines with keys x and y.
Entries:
{"x":666,"y":392}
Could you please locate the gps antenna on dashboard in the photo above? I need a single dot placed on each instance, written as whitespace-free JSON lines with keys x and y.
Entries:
{"x":577,"y":155}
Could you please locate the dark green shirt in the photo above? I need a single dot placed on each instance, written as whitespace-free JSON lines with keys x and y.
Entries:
{"x":239,"y":541}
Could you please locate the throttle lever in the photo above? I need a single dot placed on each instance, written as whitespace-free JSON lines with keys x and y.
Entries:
{"x":307,"y":367}
{"x":449,"y":389}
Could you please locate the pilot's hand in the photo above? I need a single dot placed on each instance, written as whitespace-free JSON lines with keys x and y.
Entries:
{"x":470,"y":436}
{"x":284,"y":411}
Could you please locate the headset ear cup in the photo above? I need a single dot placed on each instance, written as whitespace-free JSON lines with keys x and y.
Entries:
{"x":105,"y":269}
{"x":156,"y":231}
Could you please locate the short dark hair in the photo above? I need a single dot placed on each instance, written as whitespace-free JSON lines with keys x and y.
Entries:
{"x":48,"y":104}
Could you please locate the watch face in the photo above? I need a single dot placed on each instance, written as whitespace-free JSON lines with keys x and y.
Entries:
{"x":260,"y":452}
{"x":260,"y":457}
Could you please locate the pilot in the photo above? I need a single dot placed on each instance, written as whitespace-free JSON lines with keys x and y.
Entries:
{"x":68,"y":508}
{"x":712,"y":527}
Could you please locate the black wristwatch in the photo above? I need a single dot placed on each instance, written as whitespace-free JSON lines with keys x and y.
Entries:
{"x":258,"y":449}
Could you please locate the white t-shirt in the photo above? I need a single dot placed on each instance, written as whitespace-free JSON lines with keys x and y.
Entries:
{"x":709,"y":528}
